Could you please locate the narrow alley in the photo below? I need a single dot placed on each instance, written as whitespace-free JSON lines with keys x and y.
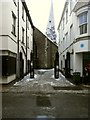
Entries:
{"x":44,"y":97}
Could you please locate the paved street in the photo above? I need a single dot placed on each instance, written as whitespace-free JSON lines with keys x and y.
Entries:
{"x":44,"y":97}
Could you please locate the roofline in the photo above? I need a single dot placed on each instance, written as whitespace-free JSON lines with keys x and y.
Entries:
{"x":27,"y":12}
{"x":46,"y":36}
{"x":62,"y":13}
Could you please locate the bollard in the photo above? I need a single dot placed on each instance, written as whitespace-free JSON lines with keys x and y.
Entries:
{"x":31,"y":65}
{"x":31,"y":69}
{"x":56,"y":65}
{"x":56,"y":70}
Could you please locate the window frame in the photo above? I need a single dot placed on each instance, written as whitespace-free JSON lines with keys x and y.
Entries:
{"x":27,"y":41}
{"x":66,"y":15}
{"x":23,"y":12}
{"x":13,"y":24}
{"x":83,"y":25}
{"x":23,"y":31}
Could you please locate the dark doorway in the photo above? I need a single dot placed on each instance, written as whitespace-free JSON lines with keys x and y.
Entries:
{"x":86,"y":65}
{"x":67,"y":65}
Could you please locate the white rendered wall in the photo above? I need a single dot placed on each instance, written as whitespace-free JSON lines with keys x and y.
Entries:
{"x":78,"y":63}
{"x":8,"y":79}
{"x":71,"y":44}
{"x":7,"y":39}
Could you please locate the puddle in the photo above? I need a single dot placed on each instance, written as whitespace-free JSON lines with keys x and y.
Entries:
{"x":66,"y":88}
{"x":43,"y":117}
{"x":43,"y":101}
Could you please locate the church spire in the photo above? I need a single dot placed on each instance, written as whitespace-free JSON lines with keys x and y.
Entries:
{"x":50,"y":30}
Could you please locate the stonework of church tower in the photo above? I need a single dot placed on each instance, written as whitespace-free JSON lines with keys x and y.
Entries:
{"x":50,"y":30}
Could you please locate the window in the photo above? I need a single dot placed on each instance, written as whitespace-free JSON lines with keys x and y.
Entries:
{"x":71,"y":33}
{"x":28,"y":41}
{"x":66,"y":36}
{"x":22,"y":12}
{"x":83,"y":23}
{"x":63,"y":43}
{"x":22,"y":35}
{"x":66,"y":40}
{"x":66,"y":16}
{"x":13,"y":24}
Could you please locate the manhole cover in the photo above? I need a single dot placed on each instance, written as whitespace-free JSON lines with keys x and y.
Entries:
{"x":66,"y":88}
{"x":43,"y":101}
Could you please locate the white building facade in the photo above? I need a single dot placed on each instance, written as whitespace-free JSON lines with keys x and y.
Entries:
{"x":16,"y":40}
{"x":74,"y":37}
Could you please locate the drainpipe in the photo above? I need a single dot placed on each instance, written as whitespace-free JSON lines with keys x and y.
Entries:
{"x":26,"y":42}
{"x":33,"y":45}
{"x":18,"y":55}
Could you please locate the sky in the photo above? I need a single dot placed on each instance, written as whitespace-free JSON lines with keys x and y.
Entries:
{"x":40,"y":9}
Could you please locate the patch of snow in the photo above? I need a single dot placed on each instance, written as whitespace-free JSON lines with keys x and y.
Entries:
{"x":35,"y":76}
{"x":43,"y":70}
{"x":62,"y":75}
{"x":48,"y":108}
{"x":55,"y":78}
{"x":52,"y":76}
{"x":41,"y":116}
{"x":25,"y":80}
{"x":53,"y":84}
{"x":73,"y":91}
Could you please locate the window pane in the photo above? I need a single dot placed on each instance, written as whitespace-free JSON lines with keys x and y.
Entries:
{"x":23,"y":35}
{"x":13,"y":23}
{"x":81,"y":30}
{"x":22,"y":12}
{"x":80,"y":19}
{"x":85,"y":28}
{"x":83,"y":18}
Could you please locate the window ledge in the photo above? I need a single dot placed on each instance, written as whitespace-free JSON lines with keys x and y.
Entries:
{"x":83,"y":35}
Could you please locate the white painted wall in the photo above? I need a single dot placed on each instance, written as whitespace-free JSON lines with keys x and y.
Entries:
{"x":78,"y":48}
{"x":7,"y":40}
{"x":6,"y":27}
{"x":78,"y":63}
{"x":76,"y":59}
{"x":0,"y":18}
{"x":8,"y":79}
{"x":8,"y":44}
{"x":29,"y":34}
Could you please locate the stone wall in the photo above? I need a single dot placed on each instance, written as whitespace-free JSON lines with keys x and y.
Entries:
{"x":44,"y":50}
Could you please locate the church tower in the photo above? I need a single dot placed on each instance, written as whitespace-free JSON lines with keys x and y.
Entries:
{"x":50,"y":30}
